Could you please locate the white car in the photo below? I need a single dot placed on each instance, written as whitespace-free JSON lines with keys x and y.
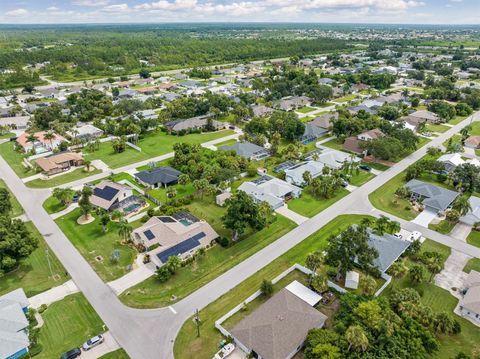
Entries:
{"x":92,"y":342}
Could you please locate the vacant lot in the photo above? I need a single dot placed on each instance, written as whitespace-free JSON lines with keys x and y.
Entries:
{"x":309,"y":206}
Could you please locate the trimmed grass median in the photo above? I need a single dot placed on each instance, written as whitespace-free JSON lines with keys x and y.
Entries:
{"x":75,"y":175}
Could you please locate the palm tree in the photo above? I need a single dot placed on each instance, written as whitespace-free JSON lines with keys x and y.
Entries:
{"x":87,"y":163}
{"x":183,"y":179}
{"x":393,"y":227}
{"x":398,"y":269}
{"x":84,"y":201}
{"x":104,"y":220}
{"x":32,"y":138}
{"x":49,"y":136}
{"x":356,"y":338}
{"x":462,"y":205}
{"x":124,"y":229}
{"x":416,"y":273}
{"x":307,"y":177}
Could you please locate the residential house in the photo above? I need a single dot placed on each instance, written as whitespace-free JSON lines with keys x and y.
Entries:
{"x":356,"y":109}
{"x":41,"y":144}
{"x":179,"y":235}
{"x":292,"y":103}
{"x":170,"y":96}
{"x":158,"y":177}
{"x":434,"y":198}
{"x":294,"y":174}
{"x":15,"y":123}
{"x":85,"y":132}
{"x":453,"y":160}
{"x":424,"y":116}
{"x":59,"y":162}
{"x":389,"y":249}
{"x":194,"y":123}
{"x":272,"y":190}
{"x":325,"y":121}
{"x":469,"y":304}
{"x":262,"y":111}
{"x":112,"y":196}
{"x":353,"y":143}
{"x":473,"y":215}
{"x":336,"y":159}
{"x":359,"y":87}
{"x":14,"y":341}
{"x":278,"y":328}
{"x":312,"y":133}
{"x":247,"y":150}
{"x":473,"y":142}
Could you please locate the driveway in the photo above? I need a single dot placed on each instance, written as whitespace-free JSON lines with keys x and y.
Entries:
{"x":452,"y":275}
{"x":461,"y":231}
{"x":424,"y":218}
{"x":291,"y":215}
{"x":109,"y":345}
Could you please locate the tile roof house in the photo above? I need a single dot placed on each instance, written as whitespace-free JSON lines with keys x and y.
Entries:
{"x":41,"y":145}
{"x":177,"y":235}
{"x":473,"y":215}
{"x":292,"y":103}
{"x":85,"y":132}
{"x":199,"y":122}
{"x":59,"y":162}
{"x":158,"y":177}
{"x":262,"y":111}
{"x":16,"y":122}
{"x":14,"y":340}
{"x":278,"y":328}
{"x":336,"y":159}
{"x":324,"y":121}
{"x":425,"y":116}
{"x":352,"y":144}
{"x":111,"y":196}
{"x":472,"y":142}
{"x":269,"y":189}
{"x":389,"y":249}
{"x":247,"y":150}
{"x":371,"y":135}
{"x":434,"y":197}
{"x":469,"y":304}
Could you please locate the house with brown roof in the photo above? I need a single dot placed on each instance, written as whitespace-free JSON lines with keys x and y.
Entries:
{"x":59,"y":162}
{"x":353,"y":143}
{"x":472,"y":142}
{"x":425,"y":116}
{"x":278,"y":328}
{"x":324,"y":121}
{"x":181,"y":234}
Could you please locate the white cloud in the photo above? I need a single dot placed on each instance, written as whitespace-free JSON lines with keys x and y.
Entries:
{"x":91,"y":3}
{"x":53,"y":8}
{"x":17,"y":12}
{"x":116,"y":8}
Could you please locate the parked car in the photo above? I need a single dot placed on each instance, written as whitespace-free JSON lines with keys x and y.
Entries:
{"x":414,"y":236}
{"x":73,"y":353}
{"x":344,"y":184}
{"x":365,"y":168}
{"x":397,"y":235}
{"x":92,"y":342}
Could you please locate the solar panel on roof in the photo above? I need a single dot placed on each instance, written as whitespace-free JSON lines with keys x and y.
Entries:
{"x":107,"y":193}
{"x":166,"y":219}
{"x":148,"y":233}
{"x":198,"y":236}
{"x":180,"y":248}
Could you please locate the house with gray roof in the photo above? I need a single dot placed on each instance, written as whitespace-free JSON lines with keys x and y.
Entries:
{"x":158,"y":177}
{"x":294,"y":174}
{"x":292,"y":103}
{"x":247,"y":150}
{"x":269,"y":189}
{"x":262,"y":111}
{"x":469,"y":304}
{"x":389,"y":249}
{"x":278,"y":328}
{"x":199,"y":122}
{"x":433,"y":197}
{"x":312,"y":133}
{"x":14,"y":340}
{"x":473,"y":216}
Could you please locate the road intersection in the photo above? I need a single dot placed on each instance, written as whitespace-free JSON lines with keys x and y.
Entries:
{"x":150,"y":333}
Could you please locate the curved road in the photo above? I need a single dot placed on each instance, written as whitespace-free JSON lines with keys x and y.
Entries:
{"x":146,"y":334}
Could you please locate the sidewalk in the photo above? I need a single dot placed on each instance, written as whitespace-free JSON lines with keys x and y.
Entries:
{"x":53,"y":295}
{"x":69,"y":209}
{"x":132,"y":278}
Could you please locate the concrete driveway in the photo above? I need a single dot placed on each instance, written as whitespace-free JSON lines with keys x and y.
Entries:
{"x":461,"y":231}
{"x":424,"y":218}
{"x":109,"y":345}
{"x":452,"y":275}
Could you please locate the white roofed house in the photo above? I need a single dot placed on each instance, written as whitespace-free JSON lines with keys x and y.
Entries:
{"x":272,"y":190}
{"x":294,"y":174}
{"x":85,"y":132}
{"x":14,"y":341}
{"x":453,"y":160}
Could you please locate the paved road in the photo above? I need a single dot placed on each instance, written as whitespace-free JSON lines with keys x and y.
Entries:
{"x":146,"y":334}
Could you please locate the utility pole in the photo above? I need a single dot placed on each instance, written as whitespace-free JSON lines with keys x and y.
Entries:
{"x":197,"y":321}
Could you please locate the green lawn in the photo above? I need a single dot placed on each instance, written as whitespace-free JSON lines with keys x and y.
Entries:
{"x":335,"y":143}
{"x":346,"y":98}
{"x":15,"y":160}
{"x":361,"y":178}
{"x":33,"y":274}
{"x":17,"y":209}
{"x":305,"y":109}
{"x":91,"y":242}
{"x":376,"y":165}
{"x":117,"y":354}
{"x":437,"y":128}
{"x":68,"y":324}
{"x":474,"y":238}
{"x":474,"y":264}
{"x":6,"y":135}
{"x":187,"y":343}
{"x":75,"y":175}
{"x":53,"y":205}
{"x":309,"y":206}
{"x":457,"y":120}
{"x":161,"y":193}
{"x":384,"y":199}
{"x":217,"y":260}
{"x":226,"y":143}
{"x":152,"y":145}
{"x":443,"y":227}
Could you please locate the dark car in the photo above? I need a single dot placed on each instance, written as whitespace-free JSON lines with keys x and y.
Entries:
{"x":72,"y":354}
{"x":365,"y":168}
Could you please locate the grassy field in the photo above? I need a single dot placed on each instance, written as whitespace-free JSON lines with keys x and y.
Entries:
{"x":15,"y":160}
{"x":91,"y":242}
{"x":384,"y":199}
{"x":68,"y":324}
{"x":346,"y":98}
{"x":53,"y":205}
{"x":437,"y":128}
{"x":305,"y":109}
{"x":117,"y":354}
{"x":152,"y":145}
{"x":161,"y":193}
{"x":205,"y":346}
{"x":17,"y":209}
{"x":151,"y":293}
{"x":457,"y":120}
{"x":361,"y":178}
{"x":309,"y":206}
{"x":335,"y":143}
{"x":75,"y":175}
{"x":33,"y":274}
{"x":443,"y":227}
{"x":474,"y":264}
{"x":226,"y":143}
{"x":474,"y":238}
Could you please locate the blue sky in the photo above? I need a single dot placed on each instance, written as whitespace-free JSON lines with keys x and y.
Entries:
{"x":118,"y":11}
